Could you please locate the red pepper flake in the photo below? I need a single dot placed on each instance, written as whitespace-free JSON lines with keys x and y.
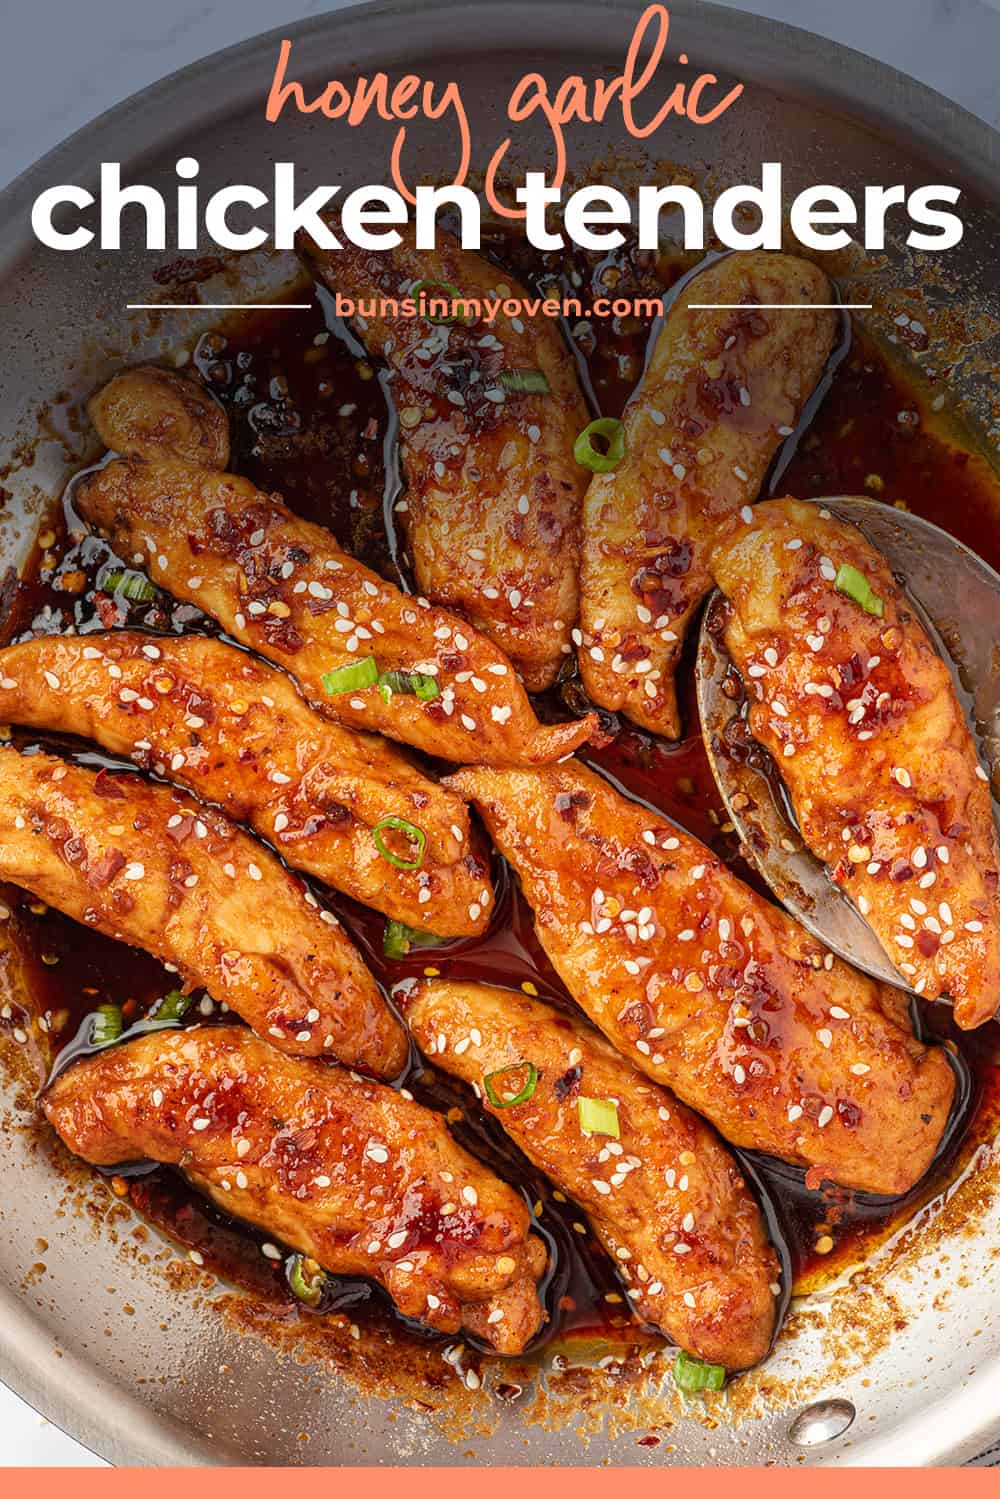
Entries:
{"x":107,"y":785}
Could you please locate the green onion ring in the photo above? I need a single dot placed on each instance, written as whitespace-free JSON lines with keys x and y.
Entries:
{"x":354,"y":677}
{"x":416,"y":684}
{"x":613,"y":432}
{"x":307,"y":1285}
{"x":854,"y":585}
{"x":130,"y":584}
{"x":398,"y":939}
{"x":170,"y":1009}
{"x":453,"y":293}
{"x":400,"y":825}
{"x":524,"y":382}
{"x":693,"y":1375}
{"x":525,"y":1093}
{"x":107,"y":1025}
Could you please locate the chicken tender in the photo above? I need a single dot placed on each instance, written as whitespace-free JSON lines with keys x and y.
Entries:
{"x":349,"y":1172}
{"x":488,"y":415}
{"x":721,"y":392}
{"x":235,"y":731}
{"x":664,"y":1197}
{"x":858,"y":709}
{"x":285,"y":588}
{"x":151,"y":413}
{"x":154,"y":868}
{"x":712,"y":991}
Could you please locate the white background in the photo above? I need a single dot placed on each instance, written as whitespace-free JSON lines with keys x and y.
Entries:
{"x":63,"y":63}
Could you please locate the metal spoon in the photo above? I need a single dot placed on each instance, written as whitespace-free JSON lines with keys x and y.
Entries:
{"x":957,"y":597}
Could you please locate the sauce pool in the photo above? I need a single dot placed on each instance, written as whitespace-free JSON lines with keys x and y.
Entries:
{"x":312,"y":418}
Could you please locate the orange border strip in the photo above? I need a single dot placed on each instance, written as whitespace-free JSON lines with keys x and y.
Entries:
{"x":433,"y":1483}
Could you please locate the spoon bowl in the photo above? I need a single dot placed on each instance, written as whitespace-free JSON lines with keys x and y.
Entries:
{"x":957,"y":597}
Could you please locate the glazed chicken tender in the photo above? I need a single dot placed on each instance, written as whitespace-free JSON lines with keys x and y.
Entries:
{"x":664,"y":1197}
{"x":721,"y":392}
{"x":488,"y":415}
{"x":151,"y":413}
{"x":285,"y":588}
{"x":235,"y":731}
{"x":154,"y":868}
{"x":347,"y":1171}
{"x":851,"y":698}
{"x":712,"y":991}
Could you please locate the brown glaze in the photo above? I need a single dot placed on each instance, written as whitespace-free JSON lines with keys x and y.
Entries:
{"x":232,"y":729}
{"x":861,"y":716}
{"x":493,"y":495}
{"x":664,"y":1196}
{"x":349,"y":1172}
{"x":711,"y":990}
{"x":313,"y":418}
{"x":146,"y":412}
{"x":284,"y":588}
{"x":720,"y":393}
{"x":154,"y":868}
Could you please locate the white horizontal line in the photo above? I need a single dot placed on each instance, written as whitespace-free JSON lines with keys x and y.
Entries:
{"x":218,"y":306}
{"x":773,"y":306}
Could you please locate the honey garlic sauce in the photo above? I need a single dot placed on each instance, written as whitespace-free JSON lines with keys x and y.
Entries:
{"x":312,"y":418}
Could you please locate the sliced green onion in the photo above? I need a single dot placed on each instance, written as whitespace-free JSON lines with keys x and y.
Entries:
{"x":352,"y":678}
{"x":856,"y":586}
{"x":597,"y":460}
{"x":692,"y":1375}
{"x":398,"y":939}
{"x":598,"y":1116}
{"x":400,"y":825}
{"x":414,"y":683}
{"x":307,"y":1279}
{"x":107,"y":1025}
{"x":524,"y":382}
{"x":172,"y":1007}
{"x":453,"y":292}
{"x":132,"y":585}
{"x":526,"y":1091}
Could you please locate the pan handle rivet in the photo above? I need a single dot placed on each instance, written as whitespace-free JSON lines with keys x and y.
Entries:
{"x":821,"y":1422}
